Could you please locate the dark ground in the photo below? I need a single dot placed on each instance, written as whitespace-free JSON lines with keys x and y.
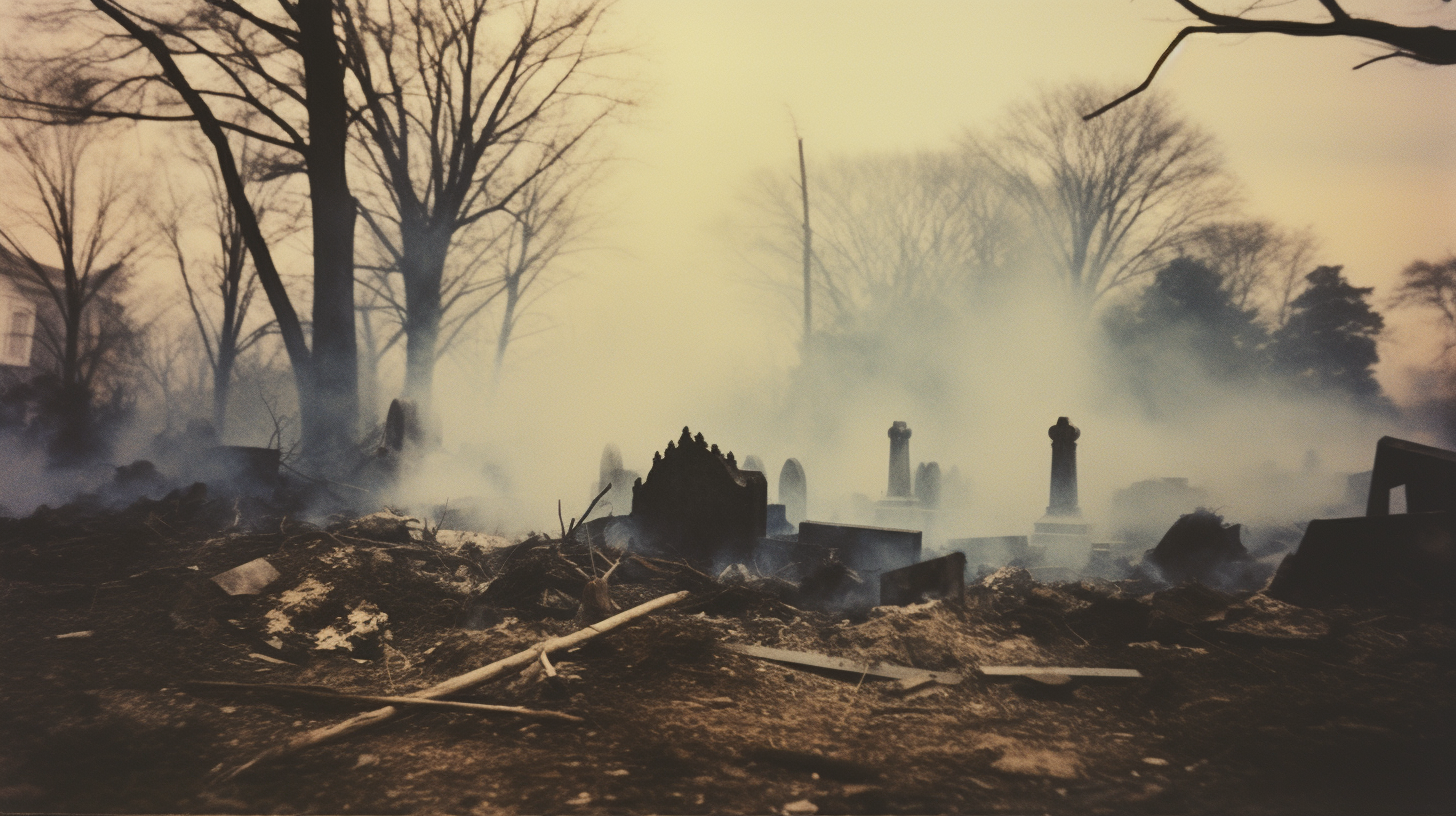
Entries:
{"x":1247,"y":706}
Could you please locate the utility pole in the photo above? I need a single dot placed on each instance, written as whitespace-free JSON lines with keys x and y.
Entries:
{"x":808,"y":247}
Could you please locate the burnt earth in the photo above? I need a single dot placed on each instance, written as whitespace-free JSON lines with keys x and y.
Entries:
{"x":1246,"y":706}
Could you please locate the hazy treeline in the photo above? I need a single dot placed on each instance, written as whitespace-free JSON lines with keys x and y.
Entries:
{"x":1131,"y":224}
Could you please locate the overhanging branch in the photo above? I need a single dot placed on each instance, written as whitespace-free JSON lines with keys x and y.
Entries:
{"x":1432,"y":45}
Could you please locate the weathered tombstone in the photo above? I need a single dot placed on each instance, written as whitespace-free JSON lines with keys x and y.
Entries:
{"x":1401,"y":560}
{"x":1428,"y":475}
{"x":696,"y":503}
{"x":751,"y":462}
{"x":793,"y":491}
{"x":938,"y":578}
{"x":239,"y":469}
{"x":864,"y":549}
{"x":900,"y":486}
{"x":927,"y":484}
{"x":618,"y":500}
{"x":402,"y":426}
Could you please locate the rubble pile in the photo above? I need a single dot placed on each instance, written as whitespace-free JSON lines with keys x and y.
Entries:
{"x":154,"y":652}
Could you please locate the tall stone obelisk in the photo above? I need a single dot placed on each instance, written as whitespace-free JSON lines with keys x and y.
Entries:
{"x":900,"y":486}
{"x":1062,"y":535}
{"x":1064,"y":469}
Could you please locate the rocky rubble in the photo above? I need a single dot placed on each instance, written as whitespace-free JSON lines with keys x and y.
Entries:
{"x":1244,"y":703}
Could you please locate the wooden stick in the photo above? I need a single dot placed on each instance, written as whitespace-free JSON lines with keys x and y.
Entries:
{"x":458,"y":683}
{"x":546,"y":665}
{"x":329,"y":694}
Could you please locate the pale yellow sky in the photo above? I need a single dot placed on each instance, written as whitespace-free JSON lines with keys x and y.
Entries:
{"x":664,"y":327}
{"x":666,"y":330}
{"x":1366,"y":158}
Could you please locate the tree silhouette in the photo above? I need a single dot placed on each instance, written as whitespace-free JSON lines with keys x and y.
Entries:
{"x":1432,"y":286}
{"x":1188,"y":310}
{"x":1112,"y":199}
{"x":1328,"y":342}
{"x":1429,"y":44}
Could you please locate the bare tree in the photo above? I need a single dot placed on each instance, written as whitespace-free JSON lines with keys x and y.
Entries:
{"x":1428,"y":44}
{"x":891,"y":232}
{"x":1432,"y":286}
{"x":78,"y":211}
{"x":272,"y":77}
{"x":465,"y":105}
{"x":1114,"y":198}
{"x":1261,"y":264}
{"x":221,"y":284}
{"x":547,"y":222}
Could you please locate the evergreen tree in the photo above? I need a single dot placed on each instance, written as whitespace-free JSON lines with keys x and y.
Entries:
{"x":1328,"y":342}
{"x":1188,"y":311}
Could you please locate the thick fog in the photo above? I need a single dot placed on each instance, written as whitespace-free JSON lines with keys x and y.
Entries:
{"x":665,"y":318}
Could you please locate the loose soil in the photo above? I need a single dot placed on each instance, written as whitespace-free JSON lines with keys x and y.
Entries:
{"x":1246,"y":705}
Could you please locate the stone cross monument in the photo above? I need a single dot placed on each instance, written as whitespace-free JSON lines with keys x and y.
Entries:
{"x":1064,"y":469}
{"x":900,"y":487}
{"x":1061,"y":536}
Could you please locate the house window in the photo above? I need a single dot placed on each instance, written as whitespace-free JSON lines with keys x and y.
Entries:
{"x":19,"y":324}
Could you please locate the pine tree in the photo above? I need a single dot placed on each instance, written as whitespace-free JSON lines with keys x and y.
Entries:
{"x":1187,"y":308}
{"x":1329,"y":340}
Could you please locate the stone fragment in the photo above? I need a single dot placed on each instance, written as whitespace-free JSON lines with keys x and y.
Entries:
{"x":938,"y":578}
{"x":247,"y":579}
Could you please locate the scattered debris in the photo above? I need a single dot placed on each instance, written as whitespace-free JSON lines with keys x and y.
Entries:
{"x":389,"y":699}
{"x":883,"y":671}
{"x":673,"y":717}
{"x":84,"y":633}
{"x":1027,"y":671}
{"x":517,"y":661}
{"x":247,"y":579}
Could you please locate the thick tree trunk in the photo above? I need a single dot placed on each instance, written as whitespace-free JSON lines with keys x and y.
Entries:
{"x":222,"y":381}
{"x":289,"y":327}
{"x":423,"y":269}
{"x":329,"y":424}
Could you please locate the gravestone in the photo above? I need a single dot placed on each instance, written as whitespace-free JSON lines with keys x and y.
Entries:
{"x":927,"y":484}
{"x":1061,"y":535}
{"x":695,"y":503}
{"x":793,"y":491}
{"x":1428,"y":475}
{"x":899,"y":487}
{"x":864,"y":549}
{"x":751,"y":462}
{"x":938,"y":578}
{"x":618,"y":500}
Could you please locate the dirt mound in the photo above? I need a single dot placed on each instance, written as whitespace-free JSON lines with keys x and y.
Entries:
{"x":1244,"y":703}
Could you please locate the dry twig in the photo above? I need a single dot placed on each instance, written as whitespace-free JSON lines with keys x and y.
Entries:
{"x":459,"y":683}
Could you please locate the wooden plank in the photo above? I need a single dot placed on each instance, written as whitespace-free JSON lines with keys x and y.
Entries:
{"x":815,"y":660}
{"x":1018,"y":671}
